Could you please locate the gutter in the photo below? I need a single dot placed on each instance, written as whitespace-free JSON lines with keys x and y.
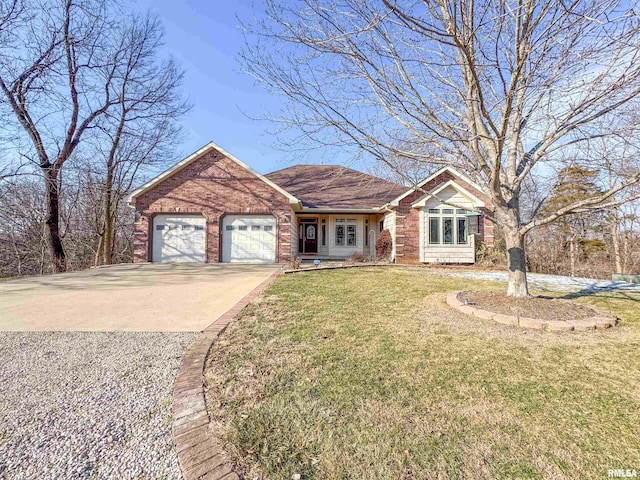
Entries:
{"x":369,"y":211}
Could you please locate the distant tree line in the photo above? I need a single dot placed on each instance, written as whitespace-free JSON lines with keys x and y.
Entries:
{"x":591,"y":244}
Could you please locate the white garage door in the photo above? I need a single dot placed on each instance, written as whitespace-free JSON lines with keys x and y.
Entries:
{"x":249,"y":239}
{"x":179,"y":238}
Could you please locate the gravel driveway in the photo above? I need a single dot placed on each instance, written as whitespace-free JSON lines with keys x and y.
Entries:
{"x":88,"y":405}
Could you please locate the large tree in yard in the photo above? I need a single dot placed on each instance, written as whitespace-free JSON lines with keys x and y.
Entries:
{"x":503,"y":90}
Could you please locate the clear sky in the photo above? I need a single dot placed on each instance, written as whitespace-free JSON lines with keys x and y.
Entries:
{"x":204,"y":37}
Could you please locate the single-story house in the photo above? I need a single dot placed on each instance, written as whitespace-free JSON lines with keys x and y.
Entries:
{"x":212,"y":207}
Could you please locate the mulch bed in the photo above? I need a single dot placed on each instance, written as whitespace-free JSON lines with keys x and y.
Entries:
{"x":543,"y":308}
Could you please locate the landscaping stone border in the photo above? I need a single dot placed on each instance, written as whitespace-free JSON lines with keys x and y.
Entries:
{"x":198,"y":454}
{"x":599,"y":322}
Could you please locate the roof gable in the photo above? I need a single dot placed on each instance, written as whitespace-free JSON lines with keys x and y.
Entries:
{"x":195,"y":156}
{"x":470,"y":198}
{"x":395,"y":202}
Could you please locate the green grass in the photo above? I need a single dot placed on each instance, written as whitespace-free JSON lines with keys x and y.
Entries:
{"x":367,"y":374}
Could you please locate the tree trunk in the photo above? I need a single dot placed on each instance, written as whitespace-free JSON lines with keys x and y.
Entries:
{"x":52,"y":200}
{"x":98,"y":255}
{"x":615,"y":241}
{"x":107,"y":235}
{"x":572,"y":255}
{"x":514,"y":241}
{"x":107,"y":212}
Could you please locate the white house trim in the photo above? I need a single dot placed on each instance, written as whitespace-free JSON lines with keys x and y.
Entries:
{"x":477,"y":203}
{"x":194,"y":156}
{"x":451,"y":170}
{"x":322,"y":210}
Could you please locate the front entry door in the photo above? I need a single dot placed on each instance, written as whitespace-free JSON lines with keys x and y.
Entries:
{"x":310,"y":238}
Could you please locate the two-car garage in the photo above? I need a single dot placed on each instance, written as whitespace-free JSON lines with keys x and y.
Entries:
{"x":245,"y":238}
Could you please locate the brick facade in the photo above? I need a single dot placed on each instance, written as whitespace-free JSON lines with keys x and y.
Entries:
{"x":408,"y":220}
{"x":213,"y":186}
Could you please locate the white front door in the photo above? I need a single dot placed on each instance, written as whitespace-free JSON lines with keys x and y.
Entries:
{"x":249,"y":239}
{"x":179,"y":238}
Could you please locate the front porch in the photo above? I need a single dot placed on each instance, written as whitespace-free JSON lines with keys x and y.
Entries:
{"x":335,"y":235}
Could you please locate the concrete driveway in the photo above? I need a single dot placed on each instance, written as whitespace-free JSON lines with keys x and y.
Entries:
{"x":134,"y":298}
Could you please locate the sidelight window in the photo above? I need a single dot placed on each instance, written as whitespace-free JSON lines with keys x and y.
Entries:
{"x":366,"y":233}
{"x":324,"y":232}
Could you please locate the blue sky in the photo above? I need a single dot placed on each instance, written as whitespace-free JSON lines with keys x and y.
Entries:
{"x":204,"y":37}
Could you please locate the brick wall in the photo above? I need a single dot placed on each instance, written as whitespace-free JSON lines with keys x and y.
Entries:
{"x":213,"y":185}
{"x":408,"y":220}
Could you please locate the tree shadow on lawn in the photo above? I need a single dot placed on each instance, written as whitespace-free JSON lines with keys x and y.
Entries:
{"x":620,"y":291}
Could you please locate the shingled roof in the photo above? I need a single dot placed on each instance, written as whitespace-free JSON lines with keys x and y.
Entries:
{"x":334,"y":186}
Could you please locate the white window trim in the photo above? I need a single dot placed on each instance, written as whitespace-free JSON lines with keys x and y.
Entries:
{"x":440,"y":215}
{"x":346,"y":222}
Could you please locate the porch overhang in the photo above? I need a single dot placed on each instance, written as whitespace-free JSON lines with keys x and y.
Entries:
{"x":336,"y":210}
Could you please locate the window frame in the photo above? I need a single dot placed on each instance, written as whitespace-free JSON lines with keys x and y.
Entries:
{"x":438,"y":228}
{"x":366,"y":232}
{"x":352,"y":235}
{"x":444,"y":215}
{"x":342,"y":227}
{"x":448,"y":219}
{"x":465,"y":230}
{"x":349,"y":227}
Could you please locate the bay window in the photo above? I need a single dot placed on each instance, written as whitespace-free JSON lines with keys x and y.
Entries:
{"x":447,"y":226}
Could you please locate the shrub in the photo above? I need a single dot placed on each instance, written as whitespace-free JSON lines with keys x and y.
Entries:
{"x":384,"y":245}
{"x":490,"y":256}
{"x":356,"y":257}
{"x":295,"y":263}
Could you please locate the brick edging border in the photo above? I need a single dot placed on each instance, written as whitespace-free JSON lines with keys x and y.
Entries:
{"x":599,"y":322}
{"x":198,"y":454}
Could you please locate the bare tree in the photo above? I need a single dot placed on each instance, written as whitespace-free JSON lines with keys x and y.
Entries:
{"x":621,"y":158}
{"x":56,"y":75}
{"x":502,"y":90}
{"x":141,"y":130}
{"x":405,"y":171}
{"x":22,"y":234}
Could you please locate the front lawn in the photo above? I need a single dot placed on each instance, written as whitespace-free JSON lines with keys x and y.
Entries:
{"x":368,"y":374}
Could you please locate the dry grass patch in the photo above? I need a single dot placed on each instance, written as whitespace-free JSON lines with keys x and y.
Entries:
{"x":368,"y":374}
